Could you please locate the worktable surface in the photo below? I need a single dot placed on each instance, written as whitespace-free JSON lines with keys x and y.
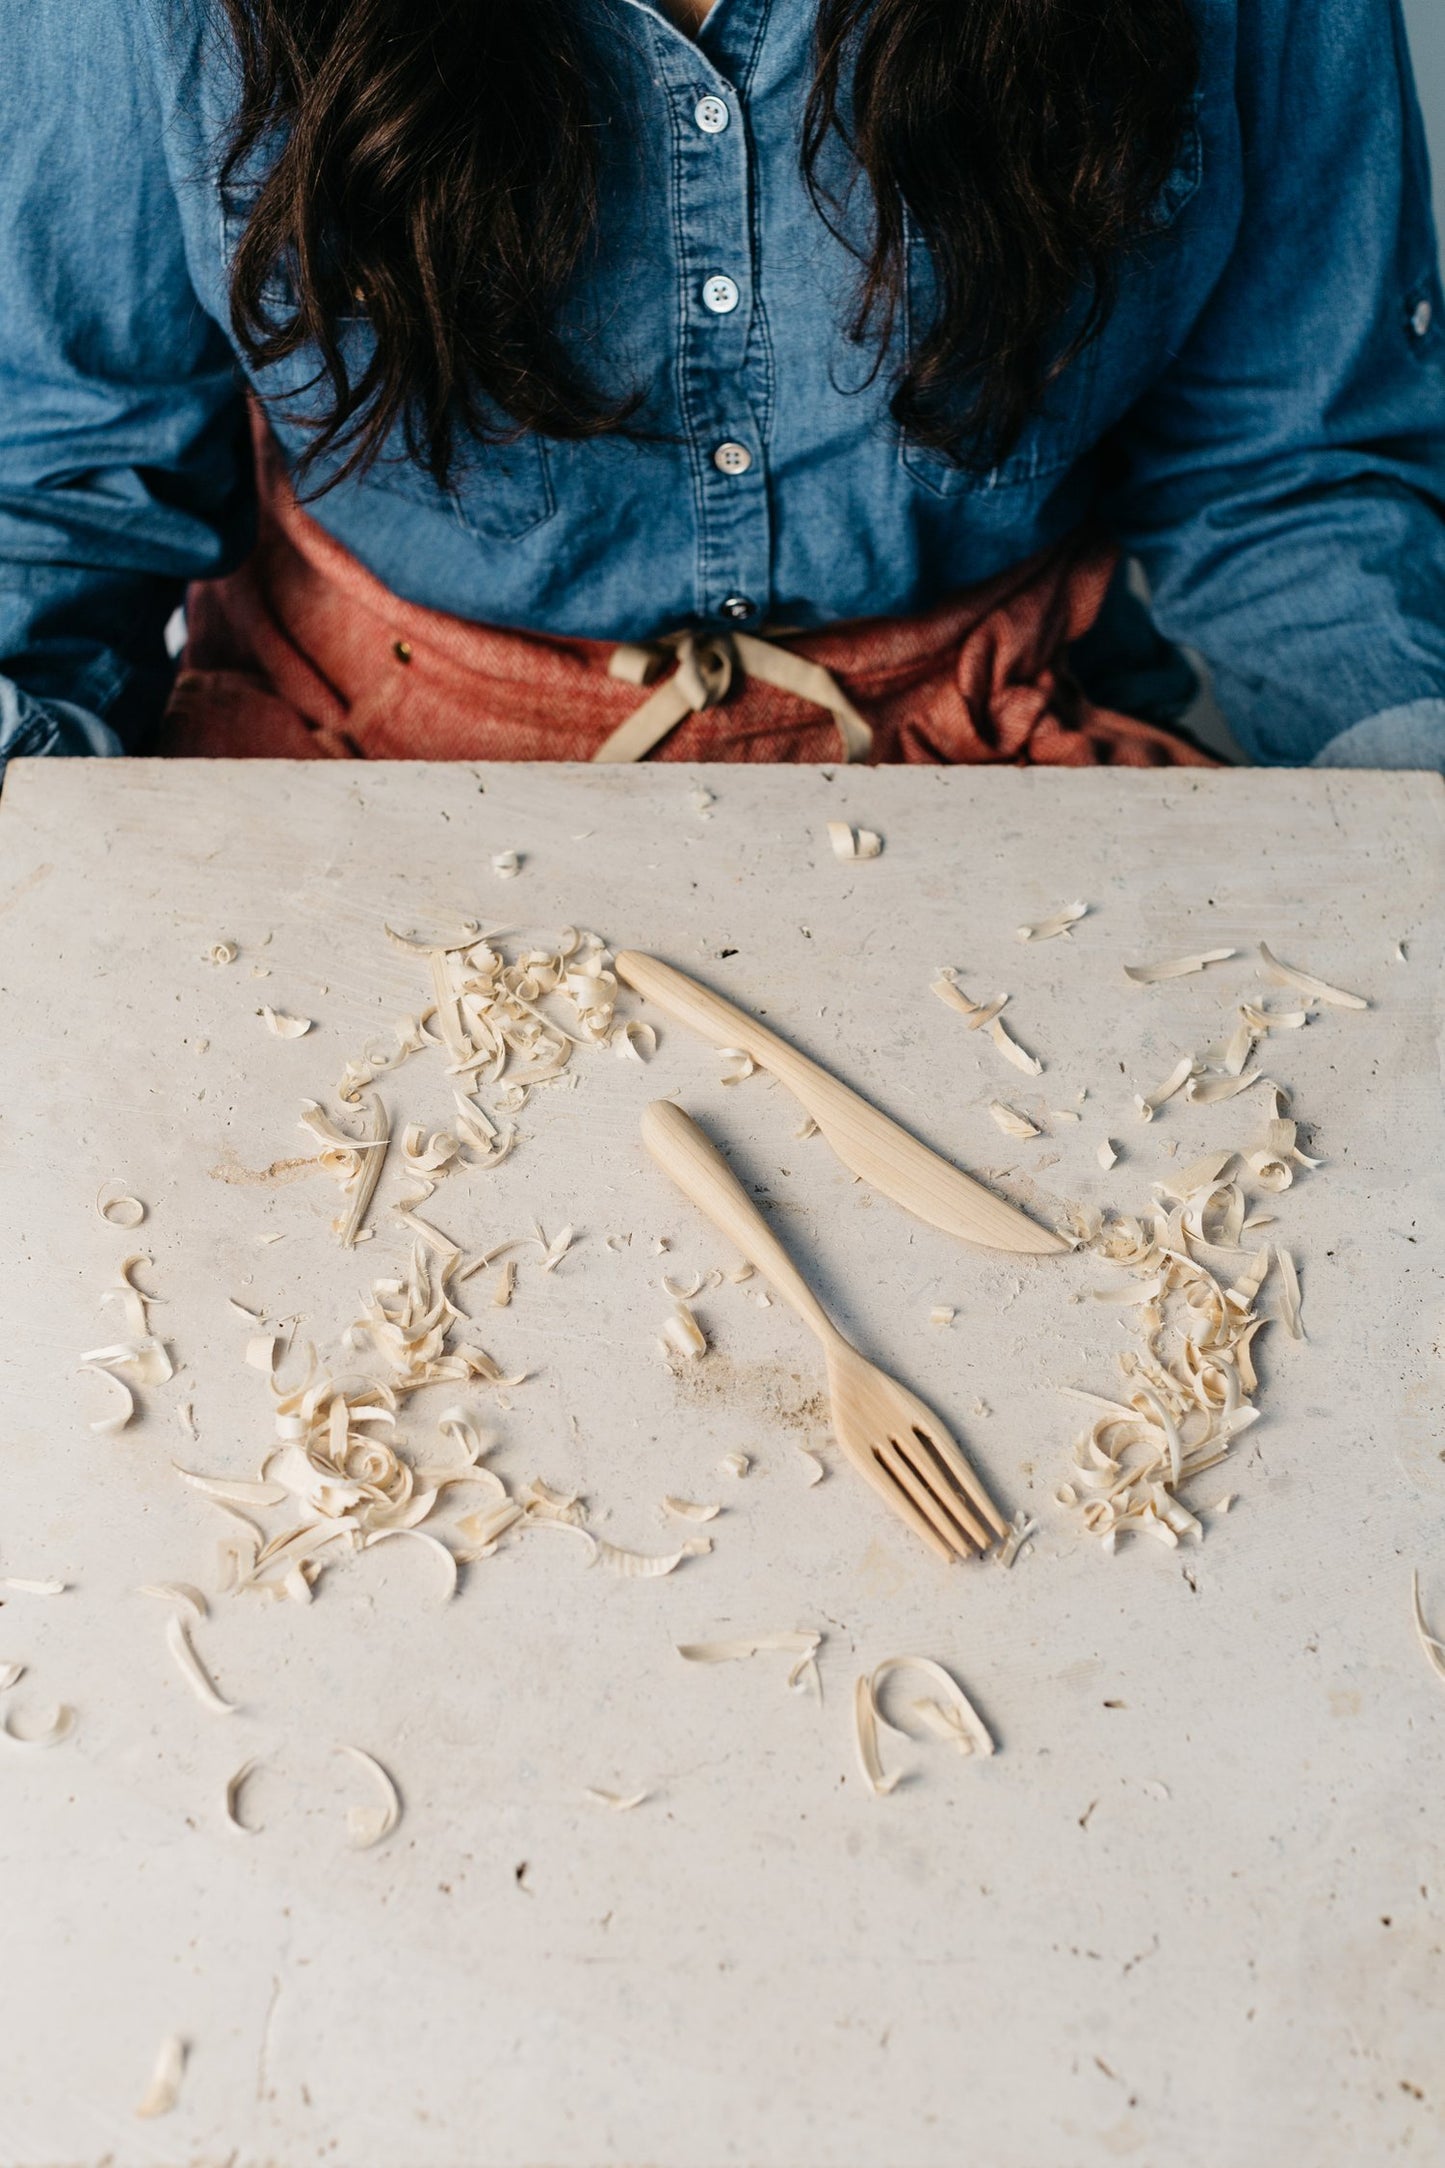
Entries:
{"x":1192,"y":1912}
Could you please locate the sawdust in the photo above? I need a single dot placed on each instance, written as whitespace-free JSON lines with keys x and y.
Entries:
{"x":766,"y":1392}
{"x":228,"y":1168}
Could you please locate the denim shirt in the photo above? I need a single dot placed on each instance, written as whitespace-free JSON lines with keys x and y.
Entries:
{"x":1262,"y":423}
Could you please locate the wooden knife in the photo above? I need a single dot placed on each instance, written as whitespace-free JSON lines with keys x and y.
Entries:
{"x":868,"y":1142}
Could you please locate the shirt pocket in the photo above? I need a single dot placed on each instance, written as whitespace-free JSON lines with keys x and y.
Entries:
{"x":498,"y":492}
{"x":1074,"y":410}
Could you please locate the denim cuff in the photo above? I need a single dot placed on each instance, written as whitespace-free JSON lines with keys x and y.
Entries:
{"x":1412,"y":736}
{"x":29,"y":727}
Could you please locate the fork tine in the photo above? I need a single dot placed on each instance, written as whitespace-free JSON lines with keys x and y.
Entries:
{"x":939,"y":1490}
{"x":955,"y":1471}
{"x":890,"y":1489}
{"x":947,"y":1522}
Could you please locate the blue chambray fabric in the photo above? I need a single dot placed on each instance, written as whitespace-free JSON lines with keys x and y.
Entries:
{"x":1262,"y":424}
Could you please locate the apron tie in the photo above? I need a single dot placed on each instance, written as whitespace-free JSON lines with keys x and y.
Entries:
{"x":707,"y":664}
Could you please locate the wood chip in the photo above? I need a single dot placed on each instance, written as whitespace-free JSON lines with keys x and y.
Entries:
{"x":1150,"y":1103}
{"x":685,"y":1509}
{"x":506,"y":865}
{"x":10,"y":1675}
{"x":1207,"y":1091}
{"x":682,"y":1334}
{"x":234,"y":1786}
{"x":647,"y":1566}
{"x":816,"y":1468}
{"x":1289,"y":1294}
{"x":802,"y":1645}
{"x":1305,"y":982}
{"x":1049,"y":929}
{"x":1106,"y":1154}
{"x":853,"y":843}
{"x":20,"y":1587}
{"x":164,"y":2089}
{"x":59,"y":1726}
{"x":1011,"y":1122}
{"x":115,"y":1205}
{"x":941,"y":1314}
{"x":1012,"y":1051}
{"x":193,"y":1671}
{"x":618,"y":1802}
{"x":370,"y":1825}
{"x":1177,"y":967}
{"x":735,"y":1464}
{"x":284,"y":1027}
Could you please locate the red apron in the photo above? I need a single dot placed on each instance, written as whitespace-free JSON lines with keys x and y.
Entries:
{"x":302,"y":654}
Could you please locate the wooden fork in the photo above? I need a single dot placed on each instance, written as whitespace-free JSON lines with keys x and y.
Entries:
{"x":894,"y":1441}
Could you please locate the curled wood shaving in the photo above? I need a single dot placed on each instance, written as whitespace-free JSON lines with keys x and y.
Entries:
{"x":165,"y":2085}
{"x":953,"y":1718}
{"x":235,"y":1783}
{"x":742,"y":1064}
{"x":865,"y":1722}
{"x":1240,"y":1047}
{"x":184,"y":1593}
{"x":220,"y":952}
{"x":506,"y":865}
{"x":433,"y":1544}
{"x":117,"y":1206}
{"x":1305,"y":982}
{"x":1020,"y":1528}
{"x":1011,"y":1122}
{"x":1208,"y":1090}
{"x":134,"y":1301}
{"x":1150,"y":1102}
{"x":617,"y":1801}
{"x":147,"y":1361}
{"x":369,"y":1825}
{"x":853,"y":843}
{"x":1434,"y":1651}
{"x":686,"y":1509}
{"x":630,"y":1039}
{"x":355,"y":1161}
{"x":678,"y":1292}
{"x":111,"y":1424}
{"x":1177,"y":967}
{"x":284,"y":1027}
{"x":61,"y":1724}
{"x":1049,"y":929}
{"x":554,"y":1251}
{"x":193,"y":1671}
{"x":816,"y":1468}
{"x":1012,"y":1051}
{"x":976,"y":1013}
{"x":736,"y":1464}
{"x":644,"y":1566}
{"x":682,"y":1334}
{"x":801,"y":1645}
{"x":1106,"y":1154}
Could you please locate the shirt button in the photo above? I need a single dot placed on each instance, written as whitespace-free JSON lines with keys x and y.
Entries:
{"x":731,"y":458}
{"x":720,"y":295}
{"x":711,"y":115}
{"x":1421,"y":318}
{"x":738,"y":606}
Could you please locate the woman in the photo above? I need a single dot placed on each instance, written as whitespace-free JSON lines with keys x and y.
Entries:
{"x":809,"y":362}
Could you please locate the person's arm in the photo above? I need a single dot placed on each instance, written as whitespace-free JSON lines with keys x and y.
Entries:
{"x":122,"y":427}
{"x":1285,"y":480}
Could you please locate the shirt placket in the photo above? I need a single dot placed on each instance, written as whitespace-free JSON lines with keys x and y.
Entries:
{"x":721,"y":394}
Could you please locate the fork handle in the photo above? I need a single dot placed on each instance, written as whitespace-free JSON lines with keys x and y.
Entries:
{"x":702,"y":1174}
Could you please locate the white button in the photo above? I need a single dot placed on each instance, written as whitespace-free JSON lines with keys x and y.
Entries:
{"x":1421,"y":318}
{"x":731,"y":458}
{"x":711,"y":115}
{"x":720,"y":295}
{"x":738,"y":606}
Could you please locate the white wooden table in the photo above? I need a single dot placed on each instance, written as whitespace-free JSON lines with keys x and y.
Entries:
{"x":1192,"y":1913}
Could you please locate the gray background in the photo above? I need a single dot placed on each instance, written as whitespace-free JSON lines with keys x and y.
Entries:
{"x":1426,"y":19}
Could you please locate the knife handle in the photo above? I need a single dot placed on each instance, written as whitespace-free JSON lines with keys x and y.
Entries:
{"x":703,"y":1175}
{"x":709,"y":1015}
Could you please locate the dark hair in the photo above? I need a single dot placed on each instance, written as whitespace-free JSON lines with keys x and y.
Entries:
{"x":435,"y":169}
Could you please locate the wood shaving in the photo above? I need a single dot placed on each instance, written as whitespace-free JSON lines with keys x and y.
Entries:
{"x":282,"y":1026}
{"x":686,"y":1510}
{"x":682,"y":1334}
{"x":976,"y":1013}
{"x":1305,"y":982}
{"x":941,"y":1314}
{"x":617,"y":1801}
{"x":163,"y":2091}
{"x":354,"y":1161}
{"x":235,"y":1783}
{"x":10,"y":1675}
{"x":802,"y":1645}
{"x":816,"y":1468}
{"x":1150,"y":1103}
{"x":117,"y":1206}
{"x":742,"y":1064}
{"x":865,"y":1714}
{"x":1061,"y":923}
{"x":646,"y":1566}
{"x":806,"y":1128}
{"x":370,"y":1825}
{"x":1011,"y":1122}
{"x":1434,"y":1651}
{"x":554,"y":1251}
{"x":147,"y":1361}
{"x":735,"y":1464}
{"x":433,"y":1544}
{"x":184,"y":1593}
{"x":220,"y":952}
{"x":193,"y":1671}
{"x":853,"y":843}
{"x":19,"y":1587}
{"x":1240,"y":1047}
{"x":1012,"y":1051}
{"x":506,"y":865}
{"x":134,"y":1301}
{"x":678,"y":1292}
{"x":630,"y":1039}
{"x":505,"y":1287}
{"x":1289,"y":1294}
{"x":1020,"y":1528}
{"x":59,"y":1727}
{"x":953,"y":1718}
{"x":1064,"y":1114}
{"x":1208,"y":1090}
{"x":1106,"y":1153}
{"x":1177,"y":967}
